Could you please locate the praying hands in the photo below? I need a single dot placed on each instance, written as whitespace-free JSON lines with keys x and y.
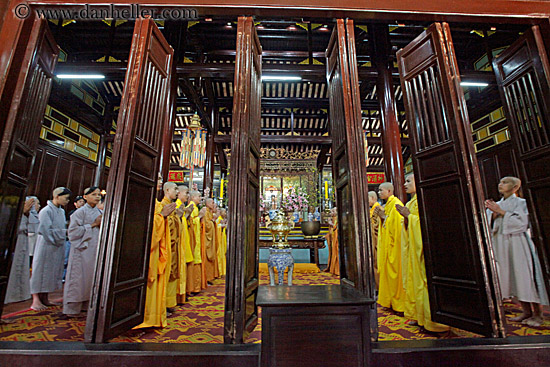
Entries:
{"x":380,"y":212}
{"x":403,"y":210}
{"x":494,"y":207}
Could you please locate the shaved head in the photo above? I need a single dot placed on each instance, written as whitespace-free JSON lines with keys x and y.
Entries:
{"x":387,"y":186}
{"x":195,"y":196}
{"x":373,"y":198}
{"x":385,"y":190}
{"x":168,"y":185}
{"x":516,"y":181}
{"x":209,"y":202}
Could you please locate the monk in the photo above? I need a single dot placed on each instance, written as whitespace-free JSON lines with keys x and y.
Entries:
{"x":391,"y":293}
{"x":518,"y":265}
{"x":83,"y":233}
{"x":183,"y":196}
{"x":47,"y":263}
{"x":186,"y":255}
{"x":159,"y":266}
{"x":334,"y":259}
{"x":417,"y":303}
{"x":174,"y":224}
{"x":209,"y":243}
{"x":374,"y":225}
{"x":222,"y":235}
{"x":194,"y":269}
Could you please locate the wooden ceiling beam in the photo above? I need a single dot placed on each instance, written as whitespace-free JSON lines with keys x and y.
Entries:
{"x":117,"y":71}
{"x":196,"y":100}
{"x":282,"y":102}
{"x":282,"y":139}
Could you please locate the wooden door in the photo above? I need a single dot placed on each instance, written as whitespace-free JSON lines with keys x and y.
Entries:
{"x":523,"y":77}
{"x":457,"y":245}
{"x":118,"y":296}
{"x":348,"y":165}
{"x":241,"y":287}
{"x":25,"y":93}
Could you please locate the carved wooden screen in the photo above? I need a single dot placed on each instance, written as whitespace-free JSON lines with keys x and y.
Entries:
{"x":523,"y":77}
{"x":348,"y":167}
{"x":241,"y":312}
{"x":25,"y":93}
{"x":457,"y":249}
{"x":118,"y":297}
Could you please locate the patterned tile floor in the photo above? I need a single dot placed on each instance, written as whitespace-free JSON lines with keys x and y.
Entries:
{"x":201,"y":321}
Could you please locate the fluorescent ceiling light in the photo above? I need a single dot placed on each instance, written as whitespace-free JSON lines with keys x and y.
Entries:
{"x":474,"y":84}
{"x":281,"y":78}
{"x":80,"y":76}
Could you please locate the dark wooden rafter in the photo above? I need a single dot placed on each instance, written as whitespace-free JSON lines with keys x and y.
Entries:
{"x":282,"y":139}
{"x":227,"y":71}
{"x":195,"y":99}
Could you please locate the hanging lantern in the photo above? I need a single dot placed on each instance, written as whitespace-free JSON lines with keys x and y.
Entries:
{"x":195,"y":123}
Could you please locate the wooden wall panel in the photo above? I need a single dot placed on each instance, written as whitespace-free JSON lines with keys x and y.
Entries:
{"x":494,"y":164}
{"x":55,"y":167}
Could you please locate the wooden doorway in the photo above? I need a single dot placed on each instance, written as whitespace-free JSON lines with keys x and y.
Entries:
{"x":118,"y":296}
{"x":23,"y":101}
{"x":523,"y":77}
{"x":457,"y":246}
{"x":241,"y":312}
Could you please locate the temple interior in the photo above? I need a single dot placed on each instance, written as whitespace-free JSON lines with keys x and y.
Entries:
{"x":81,"y":126}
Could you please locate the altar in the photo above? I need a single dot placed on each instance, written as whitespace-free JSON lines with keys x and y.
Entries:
{"x":296,"y":240}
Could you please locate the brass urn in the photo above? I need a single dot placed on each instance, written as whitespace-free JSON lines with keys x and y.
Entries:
{"x":279,"y":227}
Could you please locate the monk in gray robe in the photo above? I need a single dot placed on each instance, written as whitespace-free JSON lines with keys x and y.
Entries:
{"x":19,"y":287}
{"x":32,"y":226}
{"x":518,"y":266}
{"x":47,"y":263}
{"x":84,"y":236}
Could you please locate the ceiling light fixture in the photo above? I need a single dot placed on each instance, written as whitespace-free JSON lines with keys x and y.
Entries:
{"x":474,"y":84}
{"x":281,"y":78}
{"x":80,"y":76}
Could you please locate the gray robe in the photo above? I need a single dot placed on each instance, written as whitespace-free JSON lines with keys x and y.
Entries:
{"x":32,"y":228}
{"x":47,"y":263}
{"x":18,"y":282}
{"x":83,"y":255}
{"x":518,"y":265}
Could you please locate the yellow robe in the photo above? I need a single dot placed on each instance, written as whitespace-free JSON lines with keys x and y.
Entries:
{"x":222,"y":249}
{"x":374,"y":225}
{"x":174,"y":224}
{"x":417,"y":303}
{"x":194,"y":268}
{"x":334,"y":253}
{"x":159,"y":271}
{"x":186,"y":257}
{"x":391,"y":293}
{"x":209,"y":236}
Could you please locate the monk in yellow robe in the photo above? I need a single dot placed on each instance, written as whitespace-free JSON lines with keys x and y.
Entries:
{"x":185,"y":254}
{"x":209,"y":236}
{"x":390,"y":293}
{"x":417,"y":303}
{"x":374,"y":225}
{"x":174,"y":224}
{"x":159,"y":268}
{"x":334,"y":262}
{"x":222,"y":236}
{"x":194,"y":269}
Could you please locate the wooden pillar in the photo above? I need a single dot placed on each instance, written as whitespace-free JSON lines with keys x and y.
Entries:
{"x":391,"y":140}
{"x":107,"y":123}
{"x":208,"y":180}
{"x":168,"y":133}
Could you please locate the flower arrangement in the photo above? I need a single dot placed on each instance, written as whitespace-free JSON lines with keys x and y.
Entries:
{"x":295,"y":200}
